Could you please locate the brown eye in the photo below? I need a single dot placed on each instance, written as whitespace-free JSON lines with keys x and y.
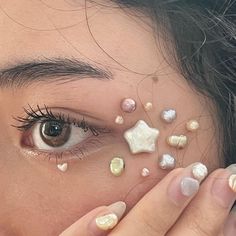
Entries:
{"x":55,"y":133}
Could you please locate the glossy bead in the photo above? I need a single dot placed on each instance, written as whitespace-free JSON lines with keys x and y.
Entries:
{"x":148,"y":106}
{"x":177,"y":141}
{"x":141,"y":138}
{"x":192,"y":125}
{"x":119,"y":120}
{"x":167,"y":162}
{"x":128,"y":105}
{"x":117,"y":166}
{"x":168,"y":115}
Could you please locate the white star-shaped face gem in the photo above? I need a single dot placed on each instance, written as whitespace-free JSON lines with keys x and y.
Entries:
{"x":141,"y":138}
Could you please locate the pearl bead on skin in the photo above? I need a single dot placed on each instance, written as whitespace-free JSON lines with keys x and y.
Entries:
{"x":177,"y":141}
{"x":145,"y":172}
{"x":168,"y":115}
{"x":117,"y":166}
{"x":192,"y":125}
{"x":199,"y":171}
{"x":62,"y":167}
{"x":148,"y":106}
{"x":167,"y":162}
{"x":141,"y":138}
{"x":128,"y":105}
{"x":119,"y":120}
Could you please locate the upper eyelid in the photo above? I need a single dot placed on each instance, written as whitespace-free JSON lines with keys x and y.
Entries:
{"x":47,"y":113}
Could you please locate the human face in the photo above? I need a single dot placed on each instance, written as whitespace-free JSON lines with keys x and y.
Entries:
{"x":39,"y":199}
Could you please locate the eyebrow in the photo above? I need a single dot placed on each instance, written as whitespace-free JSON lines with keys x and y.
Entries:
{"x":48,"y":70}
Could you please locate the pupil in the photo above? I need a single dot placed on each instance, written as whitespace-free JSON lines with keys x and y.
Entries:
{"x":55,"y":133}
{"x":53,"y":128}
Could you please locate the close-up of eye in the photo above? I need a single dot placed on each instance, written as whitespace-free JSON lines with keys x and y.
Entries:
{"x":50,"y":135}
{"x":44,"y":131}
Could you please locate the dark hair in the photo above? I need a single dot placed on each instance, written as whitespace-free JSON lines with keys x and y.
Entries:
{"x":204,"y":38}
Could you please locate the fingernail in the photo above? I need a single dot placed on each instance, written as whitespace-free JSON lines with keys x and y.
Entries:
{"x":224,"y":187}
{"x":230,"y":224}
{"x":185,"y":186}
{"x":109,"y":221}
{"x":189,"y":186}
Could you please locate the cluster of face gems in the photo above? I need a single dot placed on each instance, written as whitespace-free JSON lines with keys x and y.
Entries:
{"x":143,"y":139}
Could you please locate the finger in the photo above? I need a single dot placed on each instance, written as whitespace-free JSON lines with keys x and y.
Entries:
{"x":230,"y":224}
{"x":97,"y":222}
{"x":208,"y":211}
{"x":158,"y":210}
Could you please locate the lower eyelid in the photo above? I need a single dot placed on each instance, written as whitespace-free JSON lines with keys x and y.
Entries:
{"x":76,"y":153}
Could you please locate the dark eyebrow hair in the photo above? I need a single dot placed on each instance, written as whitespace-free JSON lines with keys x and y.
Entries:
{"x":58,"y":69}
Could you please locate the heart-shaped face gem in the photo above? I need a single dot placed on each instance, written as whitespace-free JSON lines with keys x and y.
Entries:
{"x":62,"y":167}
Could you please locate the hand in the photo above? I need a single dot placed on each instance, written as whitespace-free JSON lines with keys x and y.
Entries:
{"x":176,"y":206}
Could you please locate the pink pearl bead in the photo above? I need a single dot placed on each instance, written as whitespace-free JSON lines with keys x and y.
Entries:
{"x":128,"y":105}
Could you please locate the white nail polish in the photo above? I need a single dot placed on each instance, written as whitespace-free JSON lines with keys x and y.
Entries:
{"x":109,"y":221}
{"x":232,"y":182}
{"x":189,"y":186}
{"x":199,"y":171}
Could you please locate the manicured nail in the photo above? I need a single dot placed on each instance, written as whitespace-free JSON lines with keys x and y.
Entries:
{"x":110,"y":220}
{"x":185,"y":186}
{"x":189,"y":186}
{"x":230,"y":224}
{"x":224,"y":187}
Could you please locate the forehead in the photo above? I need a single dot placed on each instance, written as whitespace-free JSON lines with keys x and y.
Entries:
{"x":99,"y":31}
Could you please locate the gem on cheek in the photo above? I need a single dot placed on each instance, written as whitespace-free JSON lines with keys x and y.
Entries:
{"x":177,"y":141}
{"x":148,"y":106}
{"x":168,"y":115}
{"x":167,"y":162}
{"x":145,"y":172}
{"x":117,"y":166}
{"x":192,"y":125}
{"x":62,"y":167}
{"x":119,"y":120}
{"x":128,"y":105}
{"x":141,"y":138}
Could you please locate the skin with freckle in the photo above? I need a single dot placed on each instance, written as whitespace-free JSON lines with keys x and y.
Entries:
{"x":38,"y":199}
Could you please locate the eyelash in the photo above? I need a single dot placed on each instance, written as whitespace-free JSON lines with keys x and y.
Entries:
{"x":40,"y":115}
{"x":46,"y":114}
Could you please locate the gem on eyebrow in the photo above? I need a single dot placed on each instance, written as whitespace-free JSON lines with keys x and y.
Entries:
{"x":141,"y":138}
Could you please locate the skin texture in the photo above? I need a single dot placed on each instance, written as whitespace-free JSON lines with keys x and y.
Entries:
{"x":37,"y":198}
